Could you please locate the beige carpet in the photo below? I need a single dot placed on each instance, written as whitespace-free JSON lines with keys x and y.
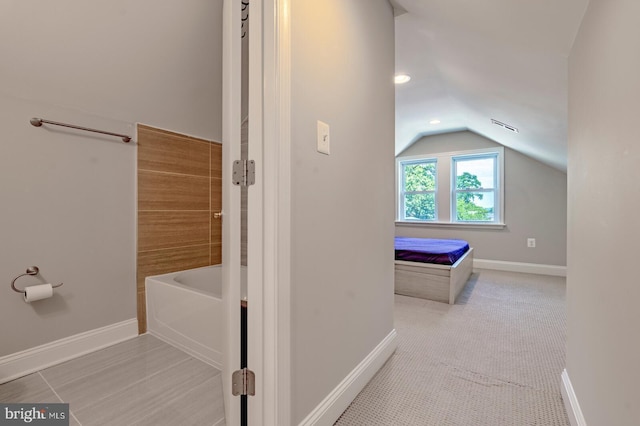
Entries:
{"x":493,"y":359}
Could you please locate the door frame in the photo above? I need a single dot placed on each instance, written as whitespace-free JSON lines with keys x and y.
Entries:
{"x":269,"y":216}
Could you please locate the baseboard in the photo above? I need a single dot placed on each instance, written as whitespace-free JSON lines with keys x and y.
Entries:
{"x":31,"y":360}
{"x":571,"y":402}
{"x":527,"y":268}
{"x":196,"y":350}
{"x":330,"y":409}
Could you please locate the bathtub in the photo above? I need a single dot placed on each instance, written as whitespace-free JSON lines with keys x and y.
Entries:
{"x":185,"y":309}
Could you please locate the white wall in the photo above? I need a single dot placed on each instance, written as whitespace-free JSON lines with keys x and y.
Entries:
{"x":342,"y":204}
{"x":535,"y":206}
{"x":68,"y":198}
{"x":603,"y":343}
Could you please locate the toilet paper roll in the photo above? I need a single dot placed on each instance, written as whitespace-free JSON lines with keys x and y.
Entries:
{"x":37,"y":292}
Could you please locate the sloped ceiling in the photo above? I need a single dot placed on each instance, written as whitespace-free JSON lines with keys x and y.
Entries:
{"x":473,"y":61}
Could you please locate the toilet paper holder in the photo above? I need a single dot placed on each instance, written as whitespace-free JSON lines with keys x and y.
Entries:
{"x":31,"y":270}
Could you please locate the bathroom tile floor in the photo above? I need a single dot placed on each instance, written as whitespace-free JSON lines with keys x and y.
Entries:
{"x":142,"y":381}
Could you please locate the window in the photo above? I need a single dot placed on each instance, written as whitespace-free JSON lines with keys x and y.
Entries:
{"x":474,"y":188}
{"x":418,"y":190}
{"x":452,"y":188}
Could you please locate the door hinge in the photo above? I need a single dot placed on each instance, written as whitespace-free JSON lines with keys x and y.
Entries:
{"x":244,"y":172}
{"x":243,"y":382}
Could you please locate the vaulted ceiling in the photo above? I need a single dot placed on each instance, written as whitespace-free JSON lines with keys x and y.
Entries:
{"x":472,"y":61}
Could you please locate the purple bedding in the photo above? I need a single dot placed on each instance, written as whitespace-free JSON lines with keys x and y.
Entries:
{"x":429,"y":250}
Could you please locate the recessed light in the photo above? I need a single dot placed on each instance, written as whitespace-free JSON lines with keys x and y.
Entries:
{"x":435,"y":121}
{"x":401,"y":79}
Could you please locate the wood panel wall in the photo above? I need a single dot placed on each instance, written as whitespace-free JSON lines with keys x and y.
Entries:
{"x":179,"y":189}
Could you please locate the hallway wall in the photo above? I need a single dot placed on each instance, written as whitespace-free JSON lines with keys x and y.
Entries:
{"x":603,"y":347}
{"x":342,"y":204}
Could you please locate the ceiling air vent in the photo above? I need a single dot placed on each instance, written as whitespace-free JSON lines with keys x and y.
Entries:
{"x":505,"y":126}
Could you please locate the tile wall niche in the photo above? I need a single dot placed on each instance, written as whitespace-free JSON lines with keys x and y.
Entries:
{"x":179,"y":189}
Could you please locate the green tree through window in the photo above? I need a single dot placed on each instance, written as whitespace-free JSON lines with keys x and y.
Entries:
{"x":466,"y":208}
{"x":419,"y":190}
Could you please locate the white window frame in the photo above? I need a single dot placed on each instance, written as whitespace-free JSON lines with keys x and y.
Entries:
{"x":445,"y":189}
{"x":400,"y":192}
{"x":496,"y":190}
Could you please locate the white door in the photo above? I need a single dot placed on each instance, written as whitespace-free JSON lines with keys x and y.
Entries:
{"x":231,"y":230}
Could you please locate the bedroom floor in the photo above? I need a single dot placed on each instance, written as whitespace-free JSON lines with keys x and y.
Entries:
{"x":492,"y":359}
{"x":142,"y":381}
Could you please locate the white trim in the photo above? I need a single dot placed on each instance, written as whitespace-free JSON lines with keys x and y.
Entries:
{"x":576,"y":418}
{"x":31,"y":360}
{"x":330,"y":409}
{"x":444,"y":188}
{"x":498,"y":177}
{"x":460,"y":225}
{"x":259,"y":338}
{"x":527,"y":268}
{"x":282,"y":214}
{"x":269,"y":248}
{"x":447,"y":154}
{"x":400,"y":197}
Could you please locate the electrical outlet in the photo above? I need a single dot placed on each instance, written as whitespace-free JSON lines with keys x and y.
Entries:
{"x":531,"y":242}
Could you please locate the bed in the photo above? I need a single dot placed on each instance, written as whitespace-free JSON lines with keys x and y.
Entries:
{"x":432,"y":269}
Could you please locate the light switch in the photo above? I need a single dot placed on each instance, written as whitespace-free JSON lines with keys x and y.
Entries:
{"x":323,"y":138}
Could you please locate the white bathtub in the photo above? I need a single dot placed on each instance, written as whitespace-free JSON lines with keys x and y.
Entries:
{"x":185,"y":309}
